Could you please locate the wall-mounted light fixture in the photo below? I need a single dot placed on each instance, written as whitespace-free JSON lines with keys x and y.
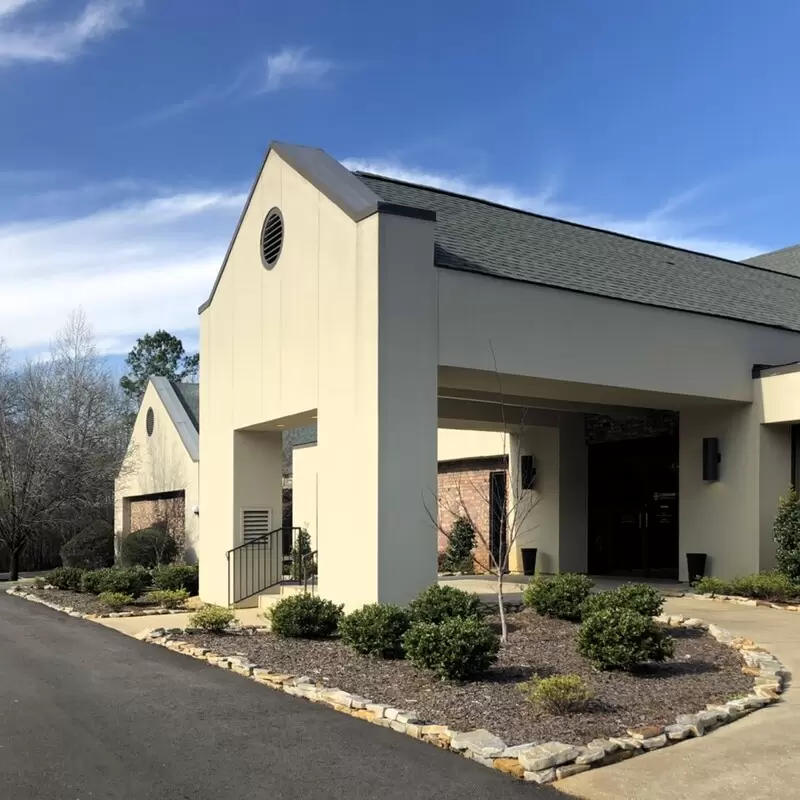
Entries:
{"x":195,"y":509}
{"x":527,"y":472}
{"x":711,"y":459}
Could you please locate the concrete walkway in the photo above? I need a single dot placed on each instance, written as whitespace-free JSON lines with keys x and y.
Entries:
{"x":757,"y":757}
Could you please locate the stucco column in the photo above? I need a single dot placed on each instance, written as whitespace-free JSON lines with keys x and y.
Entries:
{"x":256,"y":484}
{"x":377,"y":420}
{"x":731,"y":519}
{"x":573,"y":494}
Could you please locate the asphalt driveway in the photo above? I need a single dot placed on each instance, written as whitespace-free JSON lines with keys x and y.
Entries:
{"x":87,"y":713}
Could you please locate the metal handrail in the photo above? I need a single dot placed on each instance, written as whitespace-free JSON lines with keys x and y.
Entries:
{"x":258,"y":565}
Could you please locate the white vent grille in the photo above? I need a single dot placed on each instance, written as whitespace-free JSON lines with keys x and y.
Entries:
{"x":256,"y":522}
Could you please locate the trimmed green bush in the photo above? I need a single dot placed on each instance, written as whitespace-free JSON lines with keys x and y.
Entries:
{"x":92,"y":548}
{"x":558,"y":694}
{"x":132,"y":580}
{"x":65,"y":578}
{"x":305,"y":616}
{"x":439,"y":603}
{"x":786,"y":532}
{"x":149,"y":547}
{"x":376,"y":630}
{"x":619,"y":638}
{"x":212,"y":618}
{"x":637,"y":597}
{"x":456,"y":649}
{"x":460,"y":544}
{"x":772,"y":586}
{"x":168,"y":598}
{"x":115,"y":601}
{"x":172,"y":577}
{"x":561,"y":596}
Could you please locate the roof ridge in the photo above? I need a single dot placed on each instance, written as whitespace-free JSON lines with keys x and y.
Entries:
{"x":581,"y":225}
{"x":772,"y":253}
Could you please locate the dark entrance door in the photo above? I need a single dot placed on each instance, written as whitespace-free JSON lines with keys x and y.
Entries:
{"x":633,"y":508}
{"x":497,"y":517}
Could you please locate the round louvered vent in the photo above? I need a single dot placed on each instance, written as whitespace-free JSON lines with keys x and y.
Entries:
{"x":272,"y":238}
{"x":150,"y":421}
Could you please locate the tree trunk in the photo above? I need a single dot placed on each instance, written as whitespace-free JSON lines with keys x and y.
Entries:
{"x":13,"y":568}
{"x":501,"y":608}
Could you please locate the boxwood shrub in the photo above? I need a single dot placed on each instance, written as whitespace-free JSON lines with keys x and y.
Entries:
{"x":212,"y":618}
{"x":172,"y":577}
{"x":133,"y":581}
{"x":439,"y":603}
{"x":376,"y":630}
{"x":305,"y":616}
{"x":148,"y":547}
{"x":561,"y":596}
{"x":619,"y":638}
{"x":457,"y":648}
{"x":168,"y":598}
{"x":65,"y":578}
{"x":92,"y":548}
{"x":115,"y":601}
{"x":637,"y":597}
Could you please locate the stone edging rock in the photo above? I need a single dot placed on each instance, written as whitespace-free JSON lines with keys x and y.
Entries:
{"x":540,"y":763}
{"x":748,"y":601}
{"x":18,"y":591}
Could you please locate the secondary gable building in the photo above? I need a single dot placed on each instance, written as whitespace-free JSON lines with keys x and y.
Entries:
{"x":158,"y":480}
{"x":383,"y":311}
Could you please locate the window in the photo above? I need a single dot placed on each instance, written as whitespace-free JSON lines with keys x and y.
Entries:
{"x":272,"y":238}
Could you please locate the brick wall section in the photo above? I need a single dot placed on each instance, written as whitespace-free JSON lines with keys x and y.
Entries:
{"x":605,"y":428}
{"x":169,"y":511}
{"x":464,"y":484}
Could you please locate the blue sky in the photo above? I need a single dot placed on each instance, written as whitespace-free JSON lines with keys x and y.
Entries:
{"x":133,"y":128}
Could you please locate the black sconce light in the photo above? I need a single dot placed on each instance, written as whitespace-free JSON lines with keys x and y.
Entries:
{"x":528,"y":472}
{"x":711,"y":459}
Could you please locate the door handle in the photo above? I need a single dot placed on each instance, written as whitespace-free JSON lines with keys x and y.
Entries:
{"x":640,"y":520}
{"x":647,"y":519}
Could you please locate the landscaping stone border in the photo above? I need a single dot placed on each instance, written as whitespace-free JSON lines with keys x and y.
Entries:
{"x":748,"y":601}
{"x":539,"y":763}
{"x":18,"y":591}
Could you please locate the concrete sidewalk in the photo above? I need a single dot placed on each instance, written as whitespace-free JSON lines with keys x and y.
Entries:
{"x":135,"y":625}
{"x":757,"y":757}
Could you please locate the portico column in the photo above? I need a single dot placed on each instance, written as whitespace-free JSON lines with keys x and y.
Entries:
{"x":377,"y":418}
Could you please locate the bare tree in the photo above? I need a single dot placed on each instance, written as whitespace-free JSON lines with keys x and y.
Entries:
{"x":62,"y":436}
{"x":518,"y":506}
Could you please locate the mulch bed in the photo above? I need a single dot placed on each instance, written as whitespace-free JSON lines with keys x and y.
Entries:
{"x":702,"y":671}
{"x":85,"y":603}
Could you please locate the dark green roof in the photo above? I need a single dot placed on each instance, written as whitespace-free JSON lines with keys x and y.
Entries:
{"x":189,"y":395}
{"x":785,"y":260}
{"x":482,"y":237}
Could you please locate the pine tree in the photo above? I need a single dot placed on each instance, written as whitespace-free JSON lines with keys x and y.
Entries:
{"x":461,"y":543}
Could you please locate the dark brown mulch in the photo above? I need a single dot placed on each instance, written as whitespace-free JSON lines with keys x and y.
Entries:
{"x":85,"y":603}
{"x":703,"y":671}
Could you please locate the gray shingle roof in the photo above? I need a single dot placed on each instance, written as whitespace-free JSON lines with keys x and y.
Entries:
{"x":785,"y":260}
{"x":479,"y":236}
{"x":189,"y":395}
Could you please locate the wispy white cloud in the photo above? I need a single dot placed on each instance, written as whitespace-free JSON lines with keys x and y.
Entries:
{"x":289,"y":67}
{"x":293,"y":65}
{"x":57,"y":41}
{"x":132,"y":266}
{"x":679,"y":220}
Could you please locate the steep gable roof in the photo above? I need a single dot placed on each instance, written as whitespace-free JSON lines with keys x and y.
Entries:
{"x":179,"y":414}
{"x":478,"y":236}
{"x":786,"y":260}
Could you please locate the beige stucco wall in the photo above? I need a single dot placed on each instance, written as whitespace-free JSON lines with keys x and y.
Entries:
{"x":731,"y":519}
{"x":303,"y":340}
{"x":565,"y":336}
{"x":454,"y":443}
{"x":155,"y":464}
{"x":779,"y":397}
